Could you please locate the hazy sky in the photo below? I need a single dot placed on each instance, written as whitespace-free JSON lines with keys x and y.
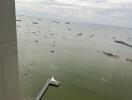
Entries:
{"x":111,"y":12}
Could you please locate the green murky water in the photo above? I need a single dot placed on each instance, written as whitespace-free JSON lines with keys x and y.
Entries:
{"x":84,"y":71}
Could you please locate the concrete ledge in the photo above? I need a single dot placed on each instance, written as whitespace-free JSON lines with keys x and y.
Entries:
{"x":9,"y":89}
{"x":10,"y":67}
{"x":2,"y":91}
{"x":8,"y":47}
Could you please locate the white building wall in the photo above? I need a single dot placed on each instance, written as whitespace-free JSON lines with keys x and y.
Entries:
{"x":9,"y":88}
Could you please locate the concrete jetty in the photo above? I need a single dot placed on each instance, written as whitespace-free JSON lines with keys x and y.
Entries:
{"x":51,"y":81}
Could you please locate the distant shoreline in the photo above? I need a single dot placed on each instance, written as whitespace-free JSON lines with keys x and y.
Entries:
{"x":75,"y":21}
